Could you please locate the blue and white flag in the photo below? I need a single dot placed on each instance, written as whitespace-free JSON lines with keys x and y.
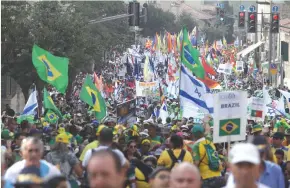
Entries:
{"x":163,"y":112}
{"x":287,"y":96}
{"x":192,"y":91}
{"x":31,"y":104}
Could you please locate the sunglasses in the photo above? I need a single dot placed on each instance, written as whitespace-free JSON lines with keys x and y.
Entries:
{"x":134,"y":146}
{"x":275,"y":138}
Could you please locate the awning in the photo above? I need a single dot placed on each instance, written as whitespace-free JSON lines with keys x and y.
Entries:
{"x":249,"y":49}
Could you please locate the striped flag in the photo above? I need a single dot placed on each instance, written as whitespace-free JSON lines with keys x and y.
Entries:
{"x":192,"y":91}
{"x":31,"y":104}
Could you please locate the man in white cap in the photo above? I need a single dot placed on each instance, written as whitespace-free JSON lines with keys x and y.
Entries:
{"x":244,"y":161}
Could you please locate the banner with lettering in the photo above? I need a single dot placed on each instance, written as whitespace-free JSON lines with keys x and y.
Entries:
{"x":144,"y":89}
{"x":230,"y":112}
{"x":256,"y":108}
{"x":239,"y":66}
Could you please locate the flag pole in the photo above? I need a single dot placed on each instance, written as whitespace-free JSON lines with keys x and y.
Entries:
{"x":196,"y":37}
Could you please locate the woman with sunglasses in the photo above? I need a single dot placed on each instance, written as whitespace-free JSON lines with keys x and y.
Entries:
{"x":145,"y":147}
{"x":131,"y":151}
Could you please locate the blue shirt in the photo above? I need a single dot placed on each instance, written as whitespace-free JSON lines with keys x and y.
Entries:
{"x":272,"y":176}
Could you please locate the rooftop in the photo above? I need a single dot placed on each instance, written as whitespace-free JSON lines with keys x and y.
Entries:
{"x":285,"y":22}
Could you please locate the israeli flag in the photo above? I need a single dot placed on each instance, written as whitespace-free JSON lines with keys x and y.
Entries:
{"x":163,"y":112}
{"x":192,"y":91}
{"x":31,"y":104}
{"x":287,"y":96}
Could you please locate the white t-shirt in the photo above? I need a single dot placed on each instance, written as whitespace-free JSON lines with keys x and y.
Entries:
{"x":231,"y":184}
{"x":88,"y":155}
{"x":47,"y":171}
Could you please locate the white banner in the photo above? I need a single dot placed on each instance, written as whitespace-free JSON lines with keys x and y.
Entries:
{"x":225,"y":68}
{"x":257,"y":105}
{"x":239,"y":66}
{"x":230,"y":116}
{"x":144,"y":89}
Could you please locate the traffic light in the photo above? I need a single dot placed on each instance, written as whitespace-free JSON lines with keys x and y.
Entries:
{"x":275,"y":22}
{"x":252,"y":22}
{"x":134,"y":8}
{"x":145,"y":12}
{"x":222,"y":15}
{"x":218,"y":11}
{"x":241,"y":19}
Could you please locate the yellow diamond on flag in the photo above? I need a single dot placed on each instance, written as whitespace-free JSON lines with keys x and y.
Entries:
{"x":229,"y":127}
{"x":52,"y":72}
{"x":95,"y":99}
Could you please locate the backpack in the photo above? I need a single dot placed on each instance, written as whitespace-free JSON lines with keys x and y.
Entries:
{"x":213,"y":157}
{"x":174,"y":159}
{"x":62,"y":164}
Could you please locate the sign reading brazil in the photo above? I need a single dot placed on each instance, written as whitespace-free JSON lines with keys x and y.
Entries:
{"x":230,"y":116}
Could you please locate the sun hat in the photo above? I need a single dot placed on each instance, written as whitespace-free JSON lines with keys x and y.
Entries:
{"x":244,"y":152}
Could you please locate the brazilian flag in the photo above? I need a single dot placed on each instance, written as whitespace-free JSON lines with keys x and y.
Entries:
{"x":90,"y":95}
{"x":50,"y":68}
{"x":51,"y":117}
{"x":49,"y":104}
{"x":190,"y":56}
{"x":230,"y":127}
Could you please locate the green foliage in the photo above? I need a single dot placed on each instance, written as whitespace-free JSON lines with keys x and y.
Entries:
{"x":158,"y":21}
{"x":185,"y":19}
{"x":61,"y":28}
{"x":216,"y":30}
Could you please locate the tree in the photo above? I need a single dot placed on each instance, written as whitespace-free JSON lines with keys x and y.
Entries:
{"x":185,"y":19}
{"x":16,"y":43}
{"x":61,"y":28}
{"x":158,"y":21}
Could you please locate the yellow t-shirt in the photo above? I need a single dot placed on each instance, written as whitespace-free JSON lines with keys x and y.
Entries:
{"x":91,"y":145}
{"x":288,"y":154}
{"x":285,"y":149}
{"x":199,"y":154}
{"x":165,"y":160}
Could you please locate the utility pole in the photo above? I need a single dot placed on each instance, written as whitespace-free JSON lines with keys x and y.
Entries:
{"x":270,"y":48}
{"x":260,"y":48}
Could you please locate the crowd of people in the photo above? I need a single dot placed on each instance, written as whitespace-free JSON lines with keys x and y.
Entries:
{"x":82,"y":151}
{"x":147,"y":154}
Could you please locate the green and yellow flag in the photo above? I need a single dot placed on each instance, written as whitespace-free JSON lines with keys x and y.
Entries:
{"x":51,"y":117}
{"x":50,"y":68}
{"x":230,"y":127}
{"x":190,"y":56}
{"x":48,"y":104}
{"x":90,"y":95}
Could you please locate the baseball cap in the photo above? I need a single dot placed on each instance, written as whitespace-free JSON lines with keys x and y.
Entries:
{"x":244,"y":152}
{"x":63,"y":138}
{"x":29,"y":176}
{"x":279,"y":135}
{"x":197,"y":128}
